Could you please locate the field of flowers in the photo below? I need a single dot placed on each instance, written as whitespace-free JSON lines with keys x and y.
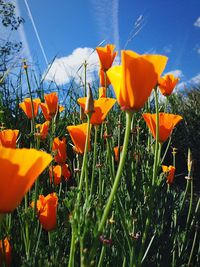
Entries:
{"x":94,"y":184}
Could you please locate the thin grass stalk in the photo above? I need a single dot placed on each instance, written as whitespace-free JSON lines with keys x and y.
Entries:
{"x":193,"y":247}
{"x":84,"y":160}
{"x":119,"y":172}
{"x":94,"y":159}
{"x":116,"y":182}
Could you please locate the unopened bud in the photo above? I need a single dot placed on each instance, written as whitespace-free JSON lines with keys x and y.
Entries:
{"x":89,"y":105}
{"x":189,"y":161}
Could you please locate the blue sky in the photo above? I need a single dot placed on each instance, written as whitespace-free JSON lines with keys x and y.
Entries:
{"x":169,"y":27}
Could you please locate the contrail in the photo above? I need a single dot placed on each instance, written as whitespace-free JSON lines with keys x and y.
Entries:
{"x":36,"y":31}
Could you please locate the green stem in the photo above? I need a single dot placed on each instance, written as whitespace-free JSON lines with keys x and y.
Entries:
{"x":72,"y":250}
{"x":32,"y":106}
{"x":85,"y":78}
{"x":192,"y":249}
{"x":155,"y":166}
{"x":84,"y":161}
{"x":94,"y":158}
{"x":105,"y":82}
{"x":119,"y":172}
{"x":101,"y":258}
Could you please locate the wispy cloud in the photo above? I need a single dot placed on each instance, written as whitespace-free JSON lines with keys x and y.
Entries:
{"x":197,"y":23}
{"x":176,"y":73}
{"x":167,"y":49}
{"x":194,"y":81}
{"x":19,"y":35}
{"x":106,"y":16}
{"x":64,"y":69}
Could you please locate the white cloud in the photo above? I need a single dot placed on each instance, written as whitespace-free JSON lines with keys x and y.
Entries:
{"x":176,"y":73}
{"x":198,"y":50}
{"x":197,"y":23}
{"x":64,"y":69}
{"x":195,"y":80}
{"x":106,"y":16}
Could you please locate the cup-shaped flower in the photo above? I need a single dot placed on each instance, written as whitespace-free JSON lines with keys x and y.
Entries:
{"x":167,"y":84}
{"x":43,"y":129}
{"x":57,"y":172}
{"x":19,"y":170}
{"x":8,"y":138}
{"x":26,"y":105}
{"x":170,"y":170}
{"x":50,"y":107}
{"x":103,"y":78}
{"x":5,"y":253}
{"x":167,"y":122}
{"x":59,"y":147}
{"x":47,"y":211}
{"x":78,"y":134}
{"x":134,"y":80}
{"x":102,"y":92}
{"x":106,"y":56}
{"x":52,"y":103}
{"x":101,"y":108}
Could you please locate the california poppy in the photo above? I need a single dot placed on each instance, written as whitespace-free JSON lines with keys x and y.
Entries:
{"x":8,"y":138}
{"x":101,"y":108}
{"x":57,"y":172}
{"x":50,"y":107}
{"x":170,"y":173}
{"x":167,"y":122}
{"x":134,"y":80}
{"x":26,"y":105}
{"x":106,"y":56}
{"x":59,"y":147}
{"x":116,"y":152}
{"x":78,"y":135}
{"x":167,"y":84}
{"x":5,"y":254}
{"x":43,"y":129}
{"x":102,"y":92}
{"x":47,"y":211}
{"x":19,"y":170}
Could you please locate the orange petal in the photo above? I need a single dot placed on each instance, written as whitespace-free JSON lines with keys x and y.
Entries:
{"x":19,"y":170}
{"x":78,"y":135}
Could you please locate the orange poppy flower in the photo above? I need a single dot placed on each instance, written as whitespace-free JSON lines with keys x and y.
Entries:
{"x":56,"y":173}
{"x":167,"y":84}
{"x":5,"y":254}
{"x":27,"y":107}
{"x":47,"y":211}
{"x":19,"y":170}
{"x":78,"y":135}
{"x":134,"y":80}
{"x":167,"y":122}
{"x":102,"y":78}
{"x":101,"y":108}
{"x":116,"y":152}
{"x":106,"y":56}
{"x":59,"y":147}
{"x":170,"y":173}
{"x":50,"y":107}
{"x":8,"y":138}
{"x":102,"y":92}
{"x":43,"y":129}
